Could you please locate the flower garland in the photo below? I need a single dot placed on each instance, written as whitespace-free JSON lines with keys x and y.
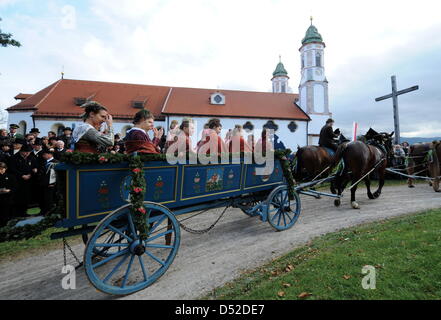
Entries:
{"x":137,"y":192}
{"x":283,"y":155}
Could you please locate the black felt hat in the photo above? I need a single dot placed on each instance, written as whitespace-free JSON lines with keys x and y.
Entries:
{"x":26,"y":148}
{"x":13,"y":125}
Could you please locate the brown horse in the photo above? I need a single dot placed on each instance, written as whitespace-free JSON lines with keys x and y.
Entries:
{"x":424,"y":160}
{"x":359,"y":159}
{"x":313,"y":162}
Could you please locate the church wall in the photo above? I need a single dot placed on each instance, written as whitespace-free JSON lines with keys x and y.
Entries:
{"x":21,"y":118}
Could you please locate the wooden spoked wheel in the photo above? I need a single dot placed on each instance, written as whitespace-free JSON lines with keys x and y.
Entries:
{"x":129,"y":264}
{"x":282,"y":212}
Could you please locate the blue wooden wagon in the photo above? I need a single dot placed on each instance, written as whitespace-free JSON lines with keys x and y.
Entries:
{"x":116,"y":260}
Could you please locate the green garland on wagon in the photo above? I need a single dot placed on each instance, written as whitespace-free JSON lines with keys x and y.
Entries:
{"x":137,"y":192}
{"x":283,"y":155}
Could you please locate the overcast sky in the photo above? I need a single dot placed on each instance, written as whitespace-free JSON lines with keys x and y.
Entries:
{"x":235,"y":44}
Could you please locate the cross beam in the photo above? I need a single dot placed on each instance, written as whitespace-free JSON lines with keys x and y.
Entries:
{"x":394,"y":95}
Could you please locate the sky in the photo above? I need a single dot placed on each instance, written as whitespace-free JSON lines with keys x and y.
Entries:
{"x":235,"y":44}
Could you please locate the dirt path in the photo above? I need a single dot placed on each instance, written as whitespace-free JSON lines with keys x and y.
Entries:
{"x":207,"y":261}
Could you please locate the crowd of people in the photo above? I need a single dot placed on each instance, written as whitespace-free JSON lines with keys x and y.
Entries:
{"x":27,"y":175}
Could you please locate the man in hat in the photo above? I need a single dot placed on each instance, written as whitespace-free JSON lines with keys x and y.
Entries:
{"x":66,"y":137}
{"x":23,"y":167}
{"x":37,"y":151}
{"x":13,"y":132}
{"x":328,"y":136}
{"x":16,"y":145}
{"x":47,"y":181}
{"x":35,"y":132}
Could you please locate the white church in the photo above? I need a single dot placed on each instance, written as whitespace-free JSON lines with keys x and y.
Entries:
{"x":295,"y":118}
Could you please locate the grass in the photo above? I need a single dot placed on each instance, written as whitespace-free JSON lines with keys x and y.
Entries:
{"x":404,"y":251}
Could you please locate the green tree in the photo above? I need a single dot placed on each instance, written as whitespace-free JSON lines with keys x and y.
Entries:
{"x":6,"y":39}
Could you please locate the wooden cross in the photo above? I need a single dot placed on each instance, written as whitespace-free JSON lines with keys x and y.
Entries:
{"x":394,"y":95}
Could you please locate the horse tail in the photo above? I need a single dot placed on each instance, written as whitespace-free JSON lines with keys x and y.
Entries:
{"x":297,"y":163}
{"x":338,"y":155}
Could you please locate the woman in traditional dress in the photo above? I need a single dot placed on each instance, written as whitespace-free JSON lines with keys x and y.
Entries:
{"x":237,"y":142}
{"x":137,"y":139}
{"x":213,"y":141}
{"x":172,"y":133}
{"x":95,"y":134}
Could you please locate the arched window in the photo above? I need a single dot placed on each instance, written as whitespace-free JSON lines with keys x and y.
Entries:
{"x":58,"y":128}
{"x":318,"y":59}
{"x":23,"y":128}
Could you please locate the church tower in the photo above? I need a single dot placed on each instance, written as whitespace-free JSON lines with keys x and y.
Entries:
{"x":280,"y":78}
{"x":313,"y":88}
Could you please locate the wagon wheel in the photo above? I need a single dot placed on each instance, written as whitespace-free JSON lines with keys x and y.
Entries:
{"x":131,"y":264}
{"x":282,"y":212}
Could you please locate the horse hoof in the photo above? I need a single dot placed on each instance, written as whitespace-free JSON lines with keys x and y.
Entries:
{"x":337,"y":202}
{"x":371,"y":196}
{"x":376,"y":195}
{"x":355,"y":205}
{"x":411,"y":186}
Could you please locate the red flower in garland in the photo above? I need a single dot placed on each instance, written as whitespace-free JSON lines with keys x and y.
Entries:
{"x":69,"y":150}
{"x":102,"y":159}
{"x":142,"y":210}
{"x":137,"y":190}
{"x":137,"y":170}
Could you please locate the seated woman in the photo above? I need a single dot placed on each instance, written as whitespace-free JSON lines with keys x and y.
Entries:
{"x":172,"y":133}
{"x":95,"y":134}
{"x":137,"y":139}
{"x":237,"y":142}
{"x":183,"y":143}
{"x":213,"y":142}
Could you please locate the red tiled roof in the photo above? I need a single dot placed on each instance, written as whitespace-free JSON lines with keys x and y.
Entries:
{"x":243,"y":104}
{"x":58,"y":100}
{"x":22,"y":96}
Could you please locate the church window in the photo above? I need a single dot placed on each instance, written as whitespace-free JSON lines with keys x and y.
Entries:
{"x":292,"y":126}
{"x":303,"y":61}
{"x":248,"y":126}
{"x":271,"y":125}
{"x":309,"y":56}
{"x":318,"y":59}
{"x":283,"y":88}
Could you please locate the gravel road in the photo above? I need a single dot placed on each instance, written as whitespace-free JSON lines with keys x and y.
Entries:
{"x":207,"y":261}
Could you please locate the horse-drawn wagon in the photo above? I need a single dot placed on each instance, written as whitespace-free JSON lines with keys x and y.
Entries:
{"x":117,"y":260}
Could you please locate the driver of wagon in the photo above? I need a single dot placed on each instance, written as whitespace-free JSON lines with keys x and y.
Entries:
{"x":137,"y":139}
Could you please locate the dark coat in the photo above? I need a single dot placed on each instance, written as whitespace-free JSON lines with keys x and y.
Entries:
{"x":327,"y":137}
{"x":20,"y":166}
{"x":8,"y":181}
